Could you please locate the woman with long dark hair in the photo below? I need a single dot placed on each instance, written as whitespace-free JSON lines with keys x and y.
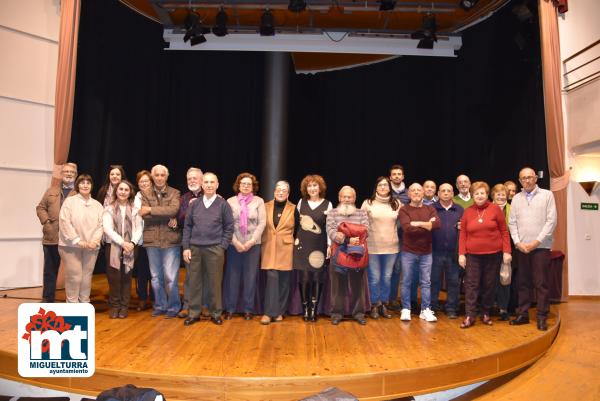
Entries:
{"x":124,"y":228}
{"x":383,"y":244}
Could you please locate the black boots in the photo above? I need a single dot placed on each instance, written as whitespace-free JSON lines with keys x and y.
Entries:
{"x":314,"y":301}
{"x":305,"y":296}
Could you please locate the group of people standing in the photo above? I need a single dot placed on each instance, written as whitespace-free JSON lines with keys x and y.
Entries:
{"x":401,"y":237}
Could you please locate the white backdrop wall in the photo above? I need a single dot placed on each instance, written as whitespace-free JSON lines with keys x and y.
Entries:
{"x":29,"y":45}
{"x":579,"y":29}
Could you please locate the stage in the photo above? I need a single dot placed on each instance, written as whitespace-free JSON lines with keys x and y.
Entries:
{"x":244,"y":360}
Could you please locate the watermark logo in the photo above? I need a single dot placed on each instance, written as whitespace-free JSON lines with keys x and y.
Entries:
{"x":56,"y":340}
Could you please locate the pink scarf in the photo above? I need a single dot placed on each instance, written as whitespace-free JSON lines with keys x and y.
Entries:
{"x":244,"y":201}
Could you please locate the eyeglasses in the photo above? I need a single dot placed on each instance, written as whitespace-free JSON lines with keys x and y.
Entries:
{"x":245,"y":183}
{"x":528,"y":178}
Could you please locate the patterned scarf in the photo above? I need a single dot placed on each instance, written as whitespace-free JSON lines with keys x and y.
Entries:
{"x":125,"y":231}
{"x":244,"y":201}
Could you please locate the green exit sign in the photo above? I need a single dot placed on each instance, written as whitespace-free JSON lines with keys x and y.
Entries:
{"x":589,"y":206}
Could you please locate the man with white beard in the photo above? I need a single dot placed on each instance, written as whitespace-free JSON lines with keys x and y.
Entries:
{"x":347,"y":212}
{"x":194,"y":181}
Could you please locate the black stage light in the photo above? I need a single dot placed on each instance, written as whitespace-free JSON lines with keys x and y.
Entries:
{"x":427,"y":33}
{"x":197,"y":39}
{"x":267,"y":24}
{"x":297,"y":5}
{"x":467,"y":4}
{"x":194,"y":31}
{"x":220,"y":28}
{"x":387,"y":5}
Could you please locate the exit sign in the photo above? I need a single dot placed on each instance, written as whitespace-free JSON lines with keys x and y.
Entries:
{"x":589,"y":206}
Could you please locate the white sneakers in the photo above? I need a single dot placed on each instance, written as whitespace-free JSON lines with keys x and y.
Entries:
{"x":405,"y":315}
{"x":427,"y":315}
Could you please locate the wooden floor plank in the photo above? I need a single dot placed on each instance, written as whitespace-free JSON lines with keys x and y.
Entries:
{"x":242,"y":359}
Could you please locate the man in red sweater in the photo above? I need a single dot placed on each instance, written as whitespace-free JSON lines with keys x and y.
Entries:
{"x":417,"y":221}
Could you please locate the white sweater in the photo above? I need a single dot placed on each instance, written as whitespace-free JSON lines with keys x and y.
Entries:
{"x":80,"y":219}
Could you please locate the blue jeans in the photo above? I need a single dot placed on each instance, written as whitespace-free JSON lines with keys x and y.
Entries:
{"x":411,"y":264}
{"x":164,"y":269}
{"x":445,"y":261}
{"x":241,"y":266}
{"x":379,"y":272}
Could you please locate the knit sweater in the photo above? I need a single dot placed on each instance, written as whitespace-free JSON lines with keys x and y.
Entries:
{"x":80,"y":219}
{"x":417,"y":240}
{"x":383,"y":227}
{"x":208,"y":226}
{"x":483,"y":230}
{"x":461,"y":202}
{"x":533,"y":220}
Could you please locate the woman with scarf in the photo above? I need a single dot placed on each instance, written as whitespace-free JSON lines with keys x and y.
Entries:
{"x":106,"y":195}
{"x":243,"y":254}
{"x":124,"y":228}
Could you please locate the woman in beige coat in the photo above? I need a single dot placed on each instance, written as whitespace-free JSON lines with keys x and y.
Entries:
{"x":276,"y":252}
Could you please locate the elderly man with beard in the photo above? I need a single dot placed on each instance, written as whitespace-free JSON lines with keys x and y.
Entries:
{"x":194,"y":181}
{"x":348,"y":213}
{"x":47,"y":211}
{"x":417,"y":221}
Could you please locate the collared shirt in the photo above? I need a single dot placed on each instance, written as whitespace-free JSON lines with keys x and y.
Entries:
{"x":529,"y":195}
{"x":207,"y":202}
{"x":465,"y":198}
{"x":430,"y":201}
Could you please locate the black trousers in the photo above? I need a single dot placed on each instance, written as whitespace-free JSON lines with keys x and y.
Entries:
{"x":277,"y":292}
{"x":533,"y":273}
{"x":51,"y":265}
{"x":481,"y":278}
{"x":353,"y":280}
{"x":119,"y":285}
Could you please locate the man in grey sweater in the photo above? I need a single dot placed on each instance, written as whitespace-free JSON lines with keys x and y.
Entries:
{"x":532,"y":222}
{"x":207,"y":232}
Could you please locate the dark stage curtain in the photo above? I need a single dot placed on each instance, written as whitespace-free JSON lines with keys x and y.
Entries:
{"x":480,"y":114}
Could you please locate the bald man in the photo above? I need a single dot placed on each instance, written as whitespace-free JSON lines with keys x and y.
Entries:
{"x":445,"y":241}
{"x":531,"y":223}
{"x":417,"y":221}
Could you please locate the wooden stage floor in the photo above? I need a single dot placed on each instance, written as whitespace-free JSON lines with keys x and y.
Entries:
{"x":244,"y":360}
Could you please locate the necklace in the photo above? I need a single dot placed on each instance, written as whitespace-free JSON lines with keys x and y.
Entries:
{"x":480,"y":219}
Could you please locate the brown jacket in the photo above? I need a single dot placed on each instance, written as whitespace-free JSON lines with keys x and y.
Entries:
{"x":47,"y":211}
{"x":156,"y":231}
{"x":278,"y":243}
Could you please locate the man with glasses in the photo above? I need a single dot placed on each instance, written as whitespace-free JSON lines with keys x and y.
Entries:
{"x":532,"y":222}
{"x":47,"y":211}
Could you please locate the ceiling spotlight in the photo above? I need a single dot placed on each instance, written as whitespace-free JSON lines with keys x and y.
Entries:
{"x":467,"y":4}
{"x":220,"y":28}
{"x":194,"y":31}
{"x":387,"y":5}
{"x":297,"y":5}
{"x":427,"y":33}
{"x":267,"y":24}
